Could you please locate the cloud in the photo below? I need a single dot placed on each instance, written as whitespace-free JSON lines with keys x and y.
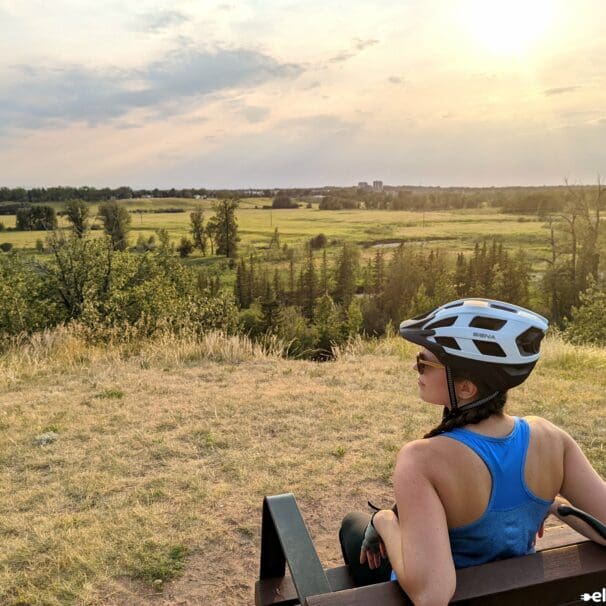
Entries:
{"x":255,"y":114}
{"x":359,"y":45}
{"x":362,"y":44}
{"x":159,"y":20}
{"x":342,"y":56}
{"x":47,"y":95}
{"x":559,"y":91}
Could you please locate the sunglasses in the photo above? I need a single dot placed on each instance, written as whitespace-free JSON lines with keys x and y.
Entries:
{"x":422,"y":363}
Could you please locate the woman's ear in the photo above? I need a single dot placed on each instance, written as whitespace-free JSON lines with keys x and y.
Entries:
{"x":466,"y":390}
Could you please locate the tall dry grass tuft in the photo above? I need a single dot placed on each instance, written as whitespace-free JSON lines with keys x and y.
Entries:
{"x":73,"y":347}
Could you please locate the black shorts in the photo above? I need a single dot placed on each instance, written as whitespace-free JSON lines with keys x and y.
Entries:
{"x":351,"y":536}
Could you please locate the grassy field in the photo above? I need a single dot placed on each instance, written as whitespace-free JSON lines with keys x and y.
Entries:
{"x":152,"y":491}
{"x":451,"y":230}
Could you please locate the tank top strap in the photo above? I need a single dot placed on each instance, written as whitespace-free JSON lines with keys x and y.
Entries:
{"x":505,"y":458}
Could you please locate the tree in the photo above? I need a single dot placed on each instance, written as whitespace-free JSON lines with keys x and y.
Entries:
{"x":197,"y":229}
{"x":283,"y":200}
{"x":116,"y":223}
{"x":227,"y":227}
{"x":308,"y":287}
{"x":34,"y":218}
{"x":77,"y":212}
{"x":347,"y":269}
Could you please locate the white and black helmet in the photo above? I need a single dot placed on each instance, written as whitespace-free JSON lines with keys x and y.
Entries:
{"x":495,"y":340}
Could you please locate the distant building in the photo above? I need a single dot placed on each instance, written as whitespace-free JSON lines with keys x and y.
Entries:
{"x":363,"y":185}
{"x":377,"y":186}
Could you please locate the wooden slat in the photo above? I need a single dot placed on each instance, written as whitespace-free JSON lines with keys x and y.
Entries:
{"x":559,"y":536}
{"x":553,"y":576}
{"x":281,"y":591}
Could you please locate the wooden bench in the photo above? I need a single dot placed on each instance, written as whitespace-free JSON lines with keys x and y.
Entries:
{"x":566,"y":567}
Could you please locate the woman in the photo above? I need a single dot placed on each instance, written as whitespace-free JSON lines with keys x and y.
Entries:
{"x":478,"y":487}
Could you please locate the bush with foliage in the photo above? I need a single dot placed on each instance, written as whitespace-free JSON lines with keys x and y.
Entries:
{"x":88,"y":281}
{"x":319,"y":241}
{"x":36,"y":218}
{"x":588,"y":322}
{"x":283,"y":200}
{"x":6,"y":247}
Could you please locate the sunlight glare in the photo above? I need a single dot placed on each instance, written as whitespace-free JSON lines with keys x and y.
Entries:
{"x":509,"y":27}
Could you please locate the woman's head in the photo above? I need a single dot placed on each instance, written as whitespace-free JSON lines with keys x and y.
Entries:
{"x":485,"y":347}
{"x":433,"y":382}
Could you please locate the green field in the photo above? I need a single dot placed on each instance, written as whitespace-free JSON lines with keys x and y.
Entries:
{"x":456,"y":230}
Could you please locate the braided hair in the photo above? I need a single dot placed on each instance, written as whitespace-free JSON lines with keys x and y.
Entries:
{"x":458,"y":418}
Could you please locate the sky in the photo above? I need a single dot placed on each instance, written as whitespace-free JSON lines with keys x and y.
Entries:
{"x":268,"y":93}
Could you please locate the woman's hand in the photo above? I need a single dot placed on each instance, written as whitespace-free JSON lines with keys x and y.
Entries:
{"x":373,"y":548}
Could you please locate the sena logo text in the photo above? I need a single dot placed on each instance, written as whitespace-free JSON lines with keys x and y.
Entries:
{"x":483,"y":335}
{"x":597,"y":597}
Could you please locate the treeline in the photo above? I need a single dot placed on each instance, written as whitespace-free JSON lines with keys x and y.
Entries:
{"x":521,"y":201}
{"x":515,"y":200}
{"x":316,"y":303}
{"x":36,"y":195}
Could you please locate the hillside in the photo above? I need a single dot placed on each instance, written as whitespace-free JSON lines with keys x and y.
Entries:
{"x":151,"y":492}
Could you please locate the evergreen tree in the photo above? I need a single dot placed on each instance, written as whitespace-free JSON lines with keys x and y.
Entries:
{"x":346,"y":273}
{"x":324,"y":274}
{"x":309,"y":287}
{"x":226,"y":227}
{"x":270,"y":310}
{"x":328,"y":325}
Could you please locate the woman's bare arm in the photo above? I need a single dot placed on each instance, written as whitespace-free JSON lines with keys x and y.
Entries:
{"x":417,"y":541}
{"x":582,"y":487}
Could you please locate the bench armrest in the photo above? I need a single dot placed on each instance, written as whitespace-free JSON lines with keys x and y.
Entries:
{"x":285,"y":540}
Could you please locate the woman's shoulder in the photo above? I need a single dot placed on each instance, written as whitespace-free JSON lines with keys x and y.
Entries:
{"x":541,"y":424}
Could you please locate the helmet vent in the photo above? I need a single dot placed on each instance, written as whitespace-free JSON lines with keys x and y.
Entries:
{"x":529,"y":341}
{"x":489,"y":323}
{"x":488,"y":348}
{"x":447,"y":342}
{"x":442,"y":323}
{"x":458,"y":304}
{"x":504,"y":308}
{"x":424,"y":315}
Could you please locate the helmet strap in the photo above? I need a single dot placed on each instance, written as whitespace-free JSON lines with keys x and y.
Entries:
{"x":455,"y":409}
{"x":451,"y":391}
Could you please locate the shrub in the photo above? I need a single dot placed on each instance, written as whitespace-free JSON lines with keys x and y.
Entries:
{"x":185,"y":248}
{"x":283,"y":200}
{"x":588,"y":323}
{"x":318,"y":241}
{"x":6,"y":247}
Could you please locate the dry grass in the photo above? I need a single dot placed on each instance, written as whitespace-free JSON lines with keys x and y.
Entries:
{"x":166,"y":449}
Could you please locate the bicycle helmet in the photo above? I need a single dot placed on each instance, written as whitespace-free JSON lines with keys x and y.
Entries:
{"x":496,"y":341}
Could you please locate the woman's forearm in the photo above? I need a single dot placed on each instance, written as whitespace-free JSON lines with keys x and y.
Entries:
{"x":575,"y":523}
{"x":387,"y":525}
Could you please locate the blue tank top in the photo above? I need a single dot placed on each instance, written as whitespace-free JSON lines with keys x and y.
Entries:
{"x":508,"y":526}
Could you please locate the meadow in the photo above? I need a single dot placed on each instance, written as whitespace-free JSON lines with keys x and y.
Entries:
{"x":163,"y":450}
{"x":455,"y":230}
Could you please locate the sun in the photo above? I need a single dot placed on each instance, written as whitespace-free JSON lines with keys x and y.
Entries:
{"x":509,"y":27}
